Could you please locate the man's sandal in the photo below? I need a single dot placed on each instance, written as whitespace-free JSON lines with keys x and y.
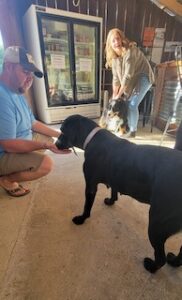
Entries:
{"x":18,"y":192}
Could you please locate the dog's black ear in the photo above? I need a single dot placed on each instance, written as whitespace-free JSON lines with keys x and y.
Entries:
{"x":110,"y":106}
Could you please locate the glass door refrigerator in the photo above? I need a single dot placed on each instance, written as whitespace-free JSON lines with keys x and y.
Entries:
{"x":68,"y":48}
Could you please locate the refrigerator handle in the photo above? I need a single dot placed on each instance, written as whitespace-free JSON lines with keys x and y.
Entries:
{"x":73,"y":83}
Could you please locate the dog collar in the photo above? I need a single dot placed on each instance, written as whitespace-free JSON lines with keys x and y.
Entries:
{"x":90,"y":136}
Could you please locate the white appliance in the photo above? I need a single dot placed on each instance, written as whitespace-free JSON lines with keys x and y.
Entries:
{"x":67,"y":47}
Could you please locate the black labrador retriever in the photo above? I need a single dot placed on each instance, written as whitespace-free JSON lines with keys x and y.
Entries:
{"x":150,"y":174}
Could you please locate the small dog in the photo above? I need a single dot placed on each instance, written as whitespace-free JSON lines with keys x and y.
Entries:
{"x":150,"y":174}
{"x":114,"y":118}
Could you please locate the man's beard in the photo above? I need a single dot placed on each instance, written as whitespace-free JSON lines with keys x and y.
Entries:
{"x":25,"y":86}
{"x":21,"y":90}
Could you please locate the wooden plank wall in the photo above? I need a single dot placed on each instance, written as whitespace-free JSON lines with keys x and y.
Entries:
{"x":131,"y":16}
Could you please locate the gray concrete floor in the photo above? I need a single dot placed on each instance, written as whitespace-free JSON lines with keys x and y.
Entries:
{"x":44,"y":256}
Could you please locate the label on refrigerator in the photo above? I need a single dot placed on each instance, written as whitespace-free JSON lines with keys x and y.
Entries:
{"x":58,"y":61}
{"x":85,"y":64}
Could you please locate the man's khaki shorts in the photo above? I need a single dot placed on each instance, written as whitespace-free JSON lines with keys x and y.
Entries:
{"x":18,"y":162}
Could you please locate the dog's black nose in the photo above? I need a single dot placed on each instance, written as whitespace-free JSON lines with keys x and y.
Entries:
{"x":57,"y":143}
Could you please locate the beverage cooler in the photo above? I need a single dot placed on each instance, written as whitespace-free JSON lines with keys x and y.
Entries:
{"x":68,"y":48}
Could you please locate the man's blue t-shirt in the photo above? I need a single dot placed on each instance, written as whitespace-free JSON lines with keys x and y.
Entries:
{"x":16,"y":117}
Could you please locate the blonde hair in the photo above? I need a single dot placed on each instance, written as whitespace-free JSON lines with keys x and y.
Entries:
{"x":109,"y":52}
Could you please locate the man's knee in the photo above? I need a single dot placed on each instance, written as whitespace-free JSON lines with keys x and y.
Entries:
{"x":46,"y":165}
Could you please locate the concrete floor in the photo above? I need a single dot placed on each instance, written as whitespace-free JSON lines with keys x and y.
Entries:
{"x":44,"y":256}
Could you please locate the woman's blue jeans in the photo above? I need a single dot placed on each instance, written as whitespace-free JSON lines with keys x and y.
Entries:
{"x":135,"y":99}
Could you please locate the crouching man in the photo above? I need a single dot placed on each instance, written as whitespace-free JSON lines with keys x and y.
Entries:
{"x":21,"y":135}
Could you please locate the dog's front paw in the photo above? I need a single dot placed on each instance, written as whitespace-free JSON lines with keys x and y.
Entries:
{"x":78,"y":220}
{"x":150,"y":265}
{"x":109,"y":201}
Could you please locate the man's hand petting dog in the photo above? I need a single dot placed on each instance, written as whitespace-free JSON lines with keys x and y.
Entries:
{"x":53,"y":148}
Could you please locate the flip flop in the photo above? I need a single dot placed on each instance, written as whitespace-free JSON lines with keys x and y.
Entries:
{"x":16,"y":192}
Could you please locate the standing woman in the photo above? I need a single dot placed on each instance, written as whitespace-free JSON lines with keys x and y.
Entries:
{"x":132,"y":73}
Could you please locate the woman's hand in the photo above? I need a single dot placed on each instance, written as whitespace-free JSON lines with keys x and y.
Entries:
{"x":120,"y":92}
{"x":116,"y":97}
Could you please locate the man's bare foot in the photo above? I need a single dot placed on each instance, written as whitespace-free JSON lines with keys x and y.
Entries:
{"x":13,"y":188}
{"x":6,"y":184}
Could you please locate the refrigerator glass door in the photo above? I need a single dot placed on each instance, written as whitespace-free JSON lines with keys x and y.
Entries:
{"x":58,"y":77}
{"x":85,"y":62}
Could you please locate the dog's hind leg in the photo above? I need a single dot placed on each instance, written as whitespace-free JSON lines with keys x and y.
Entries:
{"x":160,"y":258}
{"x":114,"y":197}
{"x":175,"y":260}
{"x":90,"y":193}
{"x":157,"y":236}
{"x":159,"y":232}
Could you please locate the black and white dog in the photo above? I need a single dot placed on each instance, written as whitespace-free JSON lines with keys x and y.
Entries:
{"x":150,"y":174}
{"x":114,"y":117}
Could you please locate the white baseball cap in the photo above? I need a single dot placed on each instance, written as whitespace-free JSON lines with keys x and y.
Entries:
{"x":19,"y":55}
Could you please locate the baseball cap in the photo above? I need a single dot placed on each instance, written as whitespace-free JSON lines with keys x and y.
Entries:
{"x":19,"y":55}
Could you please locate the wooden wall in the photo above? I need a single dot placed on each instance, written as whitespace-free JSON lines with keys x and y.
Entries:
{"x":131,"y":16}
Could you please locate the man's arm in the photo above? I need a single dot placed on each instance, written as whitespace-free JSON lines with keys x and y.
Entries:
{"x":40,"y":127}
{"x":21,"y":146}
{"x":25,"y":146}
